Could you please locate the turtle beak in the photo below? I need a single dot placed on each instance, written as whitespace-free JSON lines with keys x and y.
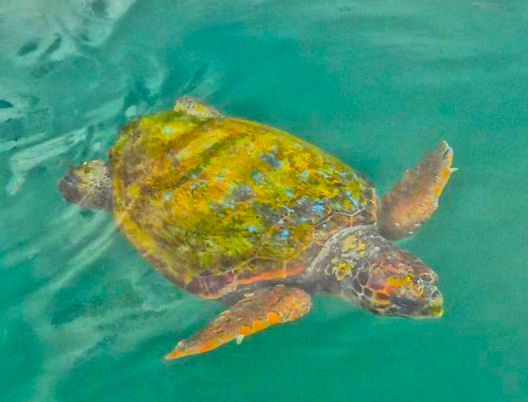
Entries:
{"x":430,"y":307}
{"x":435,"y":307}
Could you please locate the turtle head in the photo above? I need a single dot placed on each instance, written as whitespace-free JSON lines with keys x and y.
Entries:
{"x":397,"y":283}
{"x":380,"y":277}
{"x":88,"y":185}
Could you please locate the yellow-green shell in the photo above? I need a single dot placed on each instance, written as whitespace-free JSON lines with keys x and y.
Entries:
{"x":227,"y":199}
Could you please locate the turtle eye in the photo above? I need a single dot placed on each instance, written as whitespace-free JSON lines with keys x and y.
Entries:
{"x":429,"y":278}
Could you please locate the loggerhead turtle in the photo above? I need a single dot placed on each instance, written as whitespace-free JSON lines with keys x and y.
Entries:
{"x":237,"y":211}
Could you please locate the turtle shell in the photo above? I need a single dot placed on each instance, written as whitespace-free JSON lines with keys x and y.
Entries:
{"x":218,"y":203}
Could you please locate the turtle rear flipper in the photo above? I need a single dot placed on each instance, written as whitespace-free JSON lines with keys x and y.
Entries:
{"x":88,"y":185}
{"x":196,"y":108}
{"x":415,"y":198}
{"x":253,"y":313}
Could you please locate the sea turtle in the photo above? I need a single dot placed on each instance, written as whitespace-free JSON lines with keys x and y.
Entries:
{"x":247,"y":214}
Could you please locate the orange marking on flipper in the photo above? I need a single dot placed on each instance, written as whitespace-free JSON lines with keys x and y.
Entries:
{"x":175,"y":355}
{"x":208,"y":346}
{"x":245,"y":330}
{"x":444,"y":177}
{"x":258,"y":326}
{"x":273,"y":318}
{"x":446,"y":173}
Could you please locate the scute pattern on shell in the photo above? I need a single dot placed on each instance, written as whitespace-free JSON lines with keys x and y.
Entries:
{"x":222,"y":198}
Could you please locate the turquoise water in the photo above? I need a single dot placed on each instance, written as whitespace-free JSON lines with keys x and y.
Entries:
{"x":377,"y":83}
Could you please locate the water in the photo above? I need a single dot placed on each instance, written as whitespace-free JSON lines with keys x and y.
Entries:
{"x":376,"y":83}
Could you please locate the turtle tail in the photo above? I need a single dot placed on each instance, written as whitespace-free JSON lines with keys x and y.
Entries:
{"x":89,"y":185}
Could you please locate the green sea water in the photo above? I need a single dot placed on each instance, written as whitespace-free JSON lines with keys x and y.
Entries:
{"x":377,"y":83}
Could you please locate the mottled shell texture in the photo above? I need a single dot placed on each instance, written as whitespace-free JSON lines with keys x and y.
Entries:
{"x":216,"y":203}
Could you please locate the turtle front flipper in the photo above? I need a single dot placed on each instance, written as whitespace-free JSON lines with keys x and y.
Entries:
{"x":415,"y":198}
{"x":253,"y":313}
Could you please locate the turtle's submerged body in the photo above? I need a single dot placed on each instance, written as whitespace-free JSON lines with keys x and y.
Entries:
{"x":235,"y":210}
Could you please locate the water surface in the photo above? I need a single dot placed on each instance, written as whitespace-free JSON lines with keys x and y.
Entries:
{"x":376,"y":83}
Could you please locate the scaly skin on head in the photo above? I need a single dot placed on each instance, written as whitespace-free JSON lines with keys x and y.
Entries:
{"x":361,"y":266}
{"x":88,"y":185}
